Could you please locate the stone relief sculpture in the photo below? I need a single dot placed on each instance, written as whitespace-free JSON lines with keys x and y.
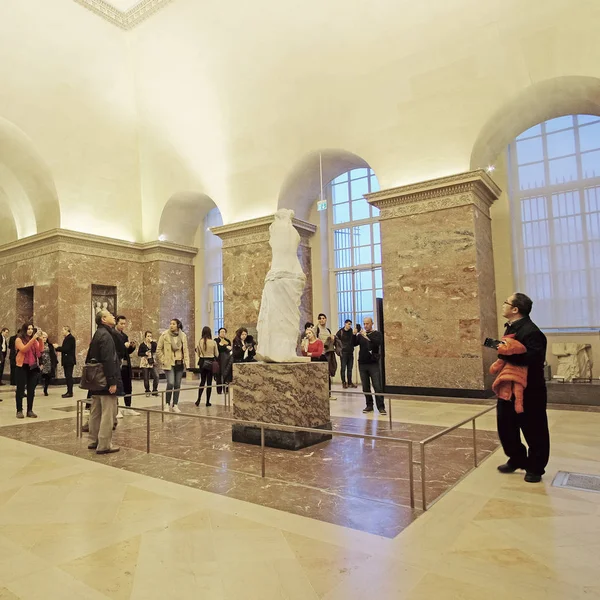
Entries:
{"x":279,"y":316}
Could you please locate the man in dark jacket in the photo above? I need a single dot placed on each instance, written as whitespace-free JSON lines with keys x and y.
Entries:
{"x":369,"y":342}
{"x":13,"y":359}
{"x":346,"y":338}
{"x":533,"y":421}
{"x":104,"y":402}
{"x":3,"y":352}
{"x":124,"y":349}
{"x":68,"y":358}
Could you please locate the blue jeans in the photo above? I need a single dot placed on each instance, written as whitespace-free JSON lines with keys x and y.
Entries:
{"x":174,"y":377}
{"x":347,"y":361}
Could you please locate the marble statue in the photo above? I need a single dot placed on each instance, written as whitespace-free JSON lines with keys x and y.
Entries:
{"x":279,"y":316}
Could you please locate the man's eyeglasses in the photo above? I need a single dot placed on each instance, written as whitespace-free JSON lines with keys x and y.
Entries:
{"x":508,"y":303}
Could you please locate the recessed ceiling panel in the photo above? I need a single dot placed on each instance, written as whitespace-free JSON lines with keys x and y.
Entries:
{"x":125,"y":14}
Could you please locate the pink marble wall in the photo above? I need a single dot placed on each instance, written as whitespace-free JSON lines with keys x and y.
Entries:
{"x":245,"y":266}
{"x":149,"y":292}
{"x":438,"y":278}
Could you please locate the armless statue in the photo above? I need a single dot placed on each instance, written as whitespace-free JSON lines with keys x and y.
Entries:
{"x":279,"y":317}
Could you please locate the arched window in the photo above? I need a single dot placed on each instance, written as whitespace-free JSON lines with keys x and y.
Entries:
{"x":213,"y":269}
{"x":355,"y":245}
{"x":555,"y":194}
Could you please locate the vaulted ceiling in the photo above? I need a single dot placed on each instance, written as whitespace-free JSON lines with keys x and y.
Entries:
{"x":125,"y":14}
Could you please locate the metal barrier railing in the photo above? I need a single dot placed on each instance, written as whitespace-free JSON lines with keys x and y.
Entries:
{"x":281,"y":427}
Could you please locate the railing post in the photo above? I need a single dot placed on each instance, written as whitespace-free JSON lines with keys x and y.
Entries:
{"x":411,"y":475}
{"x":262,"y":450}
{"x":147,"y":432}
{"x":475,"y":461}
{"x":390,"y":412}
{"x":77,"y":421}
{"x":162,"y":406}
{"x":423,"y":481}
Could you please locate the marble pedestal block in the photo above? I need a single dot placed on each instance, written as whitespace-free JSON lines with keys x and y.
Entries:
{"x":286,"y":393}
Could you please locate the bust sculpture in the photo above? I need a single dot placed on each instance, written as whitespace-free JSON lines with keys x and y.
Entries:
{"x":279,"y":316}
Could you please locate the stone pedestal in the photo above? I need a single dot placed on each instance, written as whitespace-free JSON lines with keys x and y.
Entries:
{"x":286,"y":393}
{"x":438,"y":277}
{"x":246,"y":261}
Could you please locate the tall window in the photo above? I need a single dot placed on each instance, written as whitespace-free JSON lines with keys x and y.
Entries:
{"x":555,"y":192}
{"x":356,"y":245}
{"x":213,"y":269}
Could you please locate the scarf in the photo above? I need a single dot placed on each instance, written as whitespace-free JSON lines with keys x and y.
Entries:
{"x":176,"y":344}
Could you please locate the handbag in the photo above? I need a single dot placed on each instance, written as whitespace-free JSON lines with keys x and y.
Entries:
{"x":216,"y":367}
{"x":93,"y":377}
{"x":206,"y":365}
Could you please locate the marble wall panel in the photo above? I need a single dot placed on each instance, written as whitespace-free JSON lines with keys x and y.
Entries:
{"x":244,"y":270}
{"x":438,"y":278}
{"x":62,"y":271}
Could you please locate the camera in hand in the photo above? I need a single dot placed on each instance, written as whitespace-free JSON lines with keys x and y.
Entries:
{"x":491,"y":343}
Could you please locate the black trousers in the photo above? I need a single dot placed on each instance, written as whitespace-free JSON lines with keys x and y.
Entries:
{"x":46,"y":379}
{"x":2,"y":361}
{"x":347,"y":361}
{"x":533,"y":422}
{"x":13,"y":373}
{"x":206,"y":378}
{"x":370,"y":372}
{"x":26,"y":377}
{"x":68,"y":369}
{"x":127,"y":389}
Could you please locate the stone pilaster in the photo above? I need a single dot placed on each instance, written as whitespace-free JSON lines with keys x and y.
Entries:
{"x":246,"y":262}
{"x":438,"y":279}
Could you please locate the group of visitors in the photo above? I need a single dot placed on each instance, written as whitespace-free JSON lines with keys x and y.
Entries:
{"x":33,"y":359}
{"x":321,"y":345}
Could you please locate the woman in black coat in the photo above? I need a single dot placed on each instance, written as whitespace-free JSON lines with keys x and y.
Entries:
{"x":223,"y":377}
{"x":243,"y":349}
{"x":48,"y":362}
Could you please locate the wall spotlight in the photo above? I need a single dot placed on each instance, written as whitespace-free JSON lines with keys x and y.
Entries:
{"x":490,"y":168}
{"x":162,"y":237}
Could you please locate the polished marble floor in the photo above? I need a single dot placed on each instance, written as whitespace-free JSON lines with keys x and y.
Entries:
{"x":77,"y":528}
{"x":358,"y":483}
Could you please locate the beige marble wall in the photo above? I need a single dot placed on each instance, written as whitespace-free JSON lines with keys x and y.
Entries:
{"x":154,"y":282}
{"x":246,"y":262}
{"x":438,"y":278}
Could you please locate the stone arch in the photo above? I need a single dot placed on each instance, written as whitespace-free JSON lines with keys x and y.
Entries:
{"x":539,"y":102}
{"x":303,"y":184}
{"x":182,"y":215}
{"x":27,"y":182}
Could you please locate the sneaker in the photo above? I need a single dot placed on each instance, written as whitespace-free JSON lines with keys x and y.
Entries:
{"x":147,"y":394}
{"x":368,"y":409}
{"x":92,"y":445}
{"x":155,"y":393}
{"x":20,"y":414}
{"x":67,"y":395}
{"x":353,"y":385}
{"x":175,"y":409}
{"x":31,"y":414}
{"x":167,"y":407}
{"x":119,"y":414}
{"x":130,"y":412}
{"x":85,"y":428}
{"x":382,"y":412}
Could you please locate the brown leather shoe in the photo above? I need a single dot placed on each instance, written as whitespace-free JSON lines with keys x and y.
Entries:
{"x":20,"y":414}
{"x":353,"y":385}
{"x":345,"y":385}
{"x":31,"y":414}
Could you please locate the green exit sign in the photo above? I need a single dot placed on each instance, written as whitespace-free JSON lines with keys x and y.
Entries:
{"x":322,"y":205}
